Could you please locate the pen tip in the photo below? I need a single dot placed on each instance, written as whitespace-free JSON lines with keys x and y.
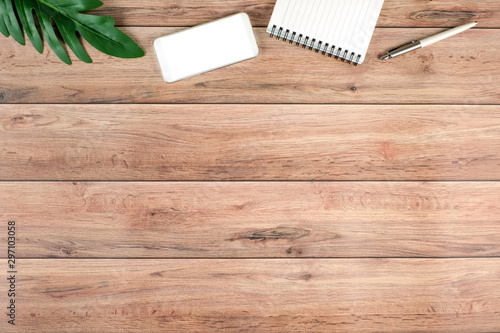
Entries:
{"x":385,"y":57}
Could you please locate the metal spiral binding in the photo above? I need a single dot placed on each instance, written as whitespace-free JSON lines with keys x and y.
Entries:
{"x":318,"y":46}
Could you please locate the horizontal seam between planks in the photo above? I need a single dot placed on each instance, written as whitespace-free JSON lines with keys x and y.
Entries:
{"x":248,"y":181}
{"x":250,"y":258}
{"x":270,"y":104}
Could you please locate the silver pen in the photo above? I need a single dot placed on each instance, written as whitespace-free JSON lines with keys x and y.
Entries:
{"x":416,"y":44}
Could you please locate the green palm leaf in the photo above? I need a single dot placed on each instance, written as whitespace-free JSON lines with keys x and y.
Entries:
{"x":8,"y":22}
{"x":99,"y":31}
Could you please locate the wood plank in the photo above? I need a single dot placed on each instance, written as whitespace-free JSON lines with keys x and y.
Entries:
{"x":464,"y":69}
{"x":410,"y":13}
{"x":263,"y":219}
{"x":257,"y":295}
{"x":249,"y":142}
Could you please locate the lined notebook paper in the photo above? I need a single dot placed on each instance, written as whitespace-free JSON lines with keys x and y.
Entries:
{"x":337,"y":28}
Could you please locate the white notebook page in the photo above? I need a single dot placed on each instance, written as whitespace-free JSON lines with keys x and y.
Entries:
{"x":331,"y":26}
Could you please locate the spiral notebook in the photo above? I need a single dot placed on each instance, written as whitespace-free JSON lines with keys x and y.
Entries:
{"x":337,"y":28}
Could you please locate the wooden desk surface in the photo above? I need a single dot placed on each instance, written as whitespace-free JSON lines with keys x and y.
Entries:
{"x":287,"y":193}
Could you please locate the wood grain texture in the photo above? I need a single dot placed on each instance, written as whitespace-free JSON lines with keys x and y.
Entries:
{"x":263,"y":219}
{"x":464,"y":69}
{"x":249,"y":142}
{"x":267,"y":256}
{"x":391,"y":295}
{"x":409,"y":13}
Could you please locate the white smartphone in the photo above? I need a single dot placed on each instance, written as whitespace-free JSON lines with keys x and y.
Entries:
{"x":206,"y":47}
